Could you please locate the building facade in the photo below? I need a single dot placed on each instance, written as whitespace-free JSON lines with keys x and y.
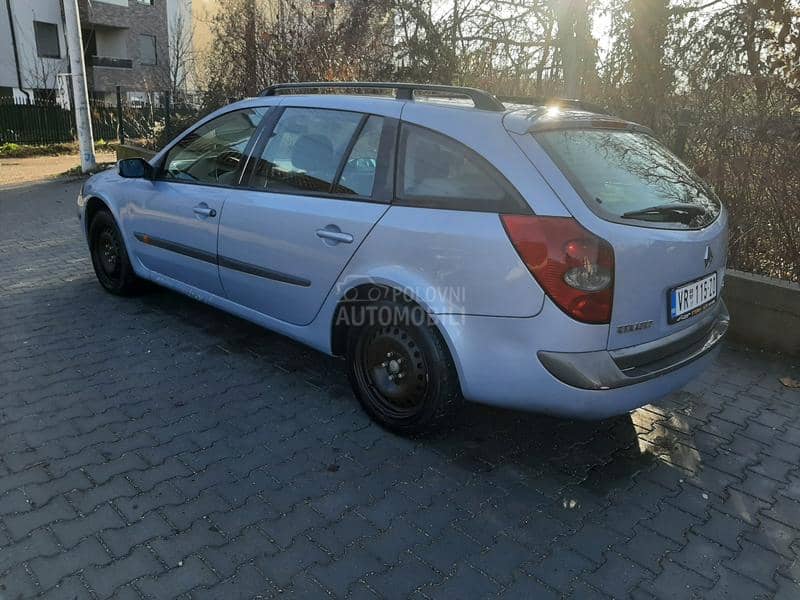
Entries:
{"x":126,"y":43}
{"x":33,"y":53}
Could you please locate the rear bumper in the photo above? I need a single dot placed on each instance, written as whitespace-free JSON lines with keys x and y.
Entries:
{"x":604,"y":370}
{"x":498,"y":364}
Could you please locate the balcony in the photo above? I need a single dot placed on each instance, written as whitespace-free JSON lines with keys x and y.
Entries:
{"x":108,"y":61}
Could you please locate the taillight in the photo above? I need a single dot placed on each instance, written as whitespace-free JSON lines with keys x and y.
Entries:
{"x":574,"y":267}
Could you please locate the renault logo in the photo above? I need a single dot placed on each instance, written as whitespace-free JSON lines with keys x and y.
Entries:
{"x":709,"y":256}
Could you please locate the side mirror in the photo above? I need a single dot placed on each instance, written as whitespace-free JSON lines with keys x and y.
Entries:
{"x":135,"y":168}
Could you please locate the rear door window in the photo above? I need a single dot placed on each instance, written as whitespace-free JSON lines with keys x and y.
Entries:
{"x":305,"y":150}
{"x":358,"y":173}
{"x":628,"y":176}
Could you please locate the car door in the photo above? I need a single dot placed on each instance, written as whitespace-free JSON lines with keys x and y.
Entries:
{"x":319,"y":183}
{"x":174,"y":218}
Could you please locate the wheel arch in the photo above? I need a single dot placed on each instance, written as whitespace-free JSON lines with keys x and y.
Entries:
{"x":94,"y":205}
{"x":380,"y":290}
{"x":360,"y":295}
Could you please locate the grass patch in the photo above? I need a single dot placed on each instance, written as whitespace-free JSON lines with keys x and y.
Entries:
{"x":11,"y":150}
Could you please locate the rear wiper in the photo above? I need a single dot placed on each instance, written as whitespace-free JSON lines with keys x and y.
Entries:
{"x":679,"y":212}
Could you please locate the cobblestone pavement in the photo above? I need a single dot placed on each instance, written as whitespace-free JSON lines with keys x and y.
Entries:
{"x":154,"y":447}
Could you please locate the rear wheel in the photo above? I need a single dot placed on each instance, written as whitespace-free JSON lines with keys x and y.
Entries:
{"x":109,"y":257}
{"x":400,"y":368}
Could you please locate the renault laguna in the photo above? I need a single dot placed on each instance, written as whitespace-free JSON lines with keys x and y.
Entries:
{"x":448,"y":246}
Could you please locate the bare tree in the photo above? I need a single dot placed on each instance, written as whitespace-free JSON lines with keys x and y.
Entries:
{"x":293,"y":41}
{"x":182,"y":56}
{"x":41,"y":74}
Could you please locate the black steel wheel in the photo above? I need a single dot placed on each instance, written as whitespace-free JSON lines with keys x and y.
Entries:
{"x":109,"y":257}
{"x":401,"y":369}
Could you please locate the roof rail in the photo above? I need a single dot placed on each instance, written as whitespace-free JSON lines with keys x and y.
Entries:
{"x":403,"y":91}
{"x":554,"y":101}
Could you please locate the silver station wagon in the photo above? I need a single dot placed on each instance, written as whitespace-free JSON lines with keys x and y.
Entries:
{"x":450,"y":247}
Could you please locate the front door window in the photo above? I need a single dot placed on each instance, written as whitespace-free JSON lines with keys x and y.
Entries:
{"x":214,"y":152}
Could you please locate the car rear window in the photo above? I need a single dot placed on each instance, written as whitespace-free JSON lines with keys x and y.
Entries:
{"x":630,"y":177}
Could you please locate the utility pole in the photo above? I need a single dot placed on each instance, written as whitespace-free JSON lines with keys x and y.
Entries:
{"x":83,"y":122}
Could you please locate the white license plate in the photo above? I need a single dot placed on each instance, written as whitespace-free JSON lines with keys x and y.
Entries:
{"x":692,"y":298}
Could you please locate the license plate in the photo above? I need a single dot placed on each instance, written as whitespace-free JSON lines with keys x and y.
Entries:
{"x":692,"y":298}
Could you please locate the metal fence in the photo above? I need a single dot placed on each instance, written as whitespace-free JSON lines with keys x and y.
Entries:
{"x":39,"y":123}
{"x":47,"y":122}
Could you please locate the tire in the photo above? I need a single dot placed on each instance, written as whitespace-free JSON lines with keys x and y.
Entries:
{"x":109,"y":257}
{"x":400,"y":368}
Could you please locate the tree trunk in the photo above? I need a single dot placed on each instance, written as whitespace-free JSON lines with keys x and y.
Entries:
{"x":251,"y":51}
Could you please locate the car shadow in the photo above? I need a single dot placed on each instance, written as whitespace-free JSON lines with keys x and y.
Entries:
{"x":480,"y":438}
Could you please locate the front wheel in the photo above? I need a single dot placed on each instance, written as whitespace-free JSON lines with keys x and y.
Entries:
{"x":109,"y":257}
{"x":400,"y":368}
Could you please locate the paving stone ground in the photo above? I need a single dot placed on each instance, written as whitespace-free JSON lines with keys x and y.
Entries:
{"x":156,"y":448}
{"x":18,"y":171}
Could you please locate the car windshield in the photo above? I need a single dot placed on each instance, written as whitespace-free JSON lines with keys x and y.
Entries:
{"x":628,"y":176}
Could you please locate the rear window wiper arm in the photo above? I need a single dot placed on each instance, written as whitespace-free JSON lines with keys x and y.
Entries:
{"x":681,"y":212}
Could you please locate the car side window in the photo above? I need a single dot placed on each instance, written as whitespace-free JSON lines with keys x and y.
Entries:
{"x":438,"y":172}
{"x":213,"y":152}
{"x":305,"y":150}
{"x":358,"y":174}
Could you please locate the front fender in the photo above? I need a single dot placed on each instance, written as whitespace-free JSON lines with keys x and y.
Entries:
{"x":106,"y":187}
{"x":100,"y":187}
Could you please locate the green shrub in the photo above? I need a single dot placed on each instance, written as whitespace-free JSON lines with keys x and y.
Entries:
{"x":12,"y":150}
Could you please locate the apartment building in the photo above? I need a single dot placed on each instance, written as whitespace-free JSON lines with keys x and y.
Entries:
{"x":32,"y":47}
{"x":126,"y":43}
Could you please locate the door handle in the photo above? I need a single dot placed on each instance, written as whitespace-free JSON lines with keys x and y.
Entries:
{"x":335,"y":235}
{"x":204,"y":211}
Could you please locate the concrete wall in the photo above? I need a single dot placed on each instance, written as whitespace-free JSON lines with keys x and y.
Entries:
{"x":765,"y":312}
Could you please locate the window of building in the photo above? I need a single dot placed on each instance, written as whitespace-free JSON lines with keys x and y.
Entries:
{"x":147,"y":49}
{"x":47,"y":45}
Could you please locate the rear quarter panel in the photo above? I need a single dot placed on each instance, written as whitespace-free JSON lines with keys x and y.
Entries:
{"x":451,"y":262}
